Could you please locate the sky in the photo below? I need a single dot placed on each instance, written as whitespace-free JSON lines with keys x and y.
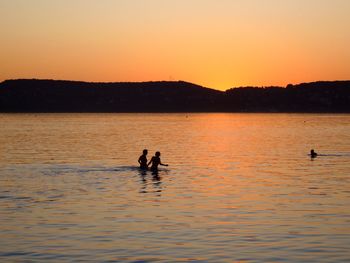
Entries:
{"x":215,"y":43}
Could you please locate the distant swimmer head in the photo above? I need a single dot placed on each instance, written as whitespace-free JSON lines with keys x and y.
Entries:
{"x":313,"y":153}
{"x":145,"y":151}
{"x":157,"y":154}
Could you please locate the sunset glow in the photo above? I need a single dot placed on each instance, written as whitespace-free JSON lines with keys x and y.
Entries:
{"x":218,"y":44}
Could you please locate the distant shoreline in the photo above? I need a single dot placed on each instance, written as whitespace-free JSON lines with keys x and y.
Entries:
{"x":57,"y":96}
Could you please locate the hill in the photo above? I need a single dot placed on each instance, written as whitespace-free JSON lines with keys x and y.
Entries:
{"x":74,"y":96}
{"x":169,"y":96}
{"x":322,"y":96}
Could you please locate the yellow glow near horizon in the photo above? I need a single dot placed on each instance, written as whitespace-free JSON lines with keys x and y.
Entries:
{"x":218,"y":44}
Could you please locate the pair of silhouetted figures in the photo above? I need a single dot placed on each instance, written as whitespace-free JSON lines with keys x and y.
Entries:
{"x":155,"y":161}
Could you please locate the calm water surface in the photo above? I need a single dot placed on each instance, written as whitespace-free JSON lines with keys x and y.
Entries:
{"x":239,"y":188}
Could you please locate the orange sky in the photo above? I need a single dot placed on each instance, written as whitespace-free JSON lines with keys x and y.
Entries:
{"x":215,"y":43}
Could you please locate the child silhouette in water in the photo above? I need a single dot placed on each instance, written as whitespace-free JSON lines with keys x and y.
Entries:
{"x":155,"y":161}
{"x":143,"y":160}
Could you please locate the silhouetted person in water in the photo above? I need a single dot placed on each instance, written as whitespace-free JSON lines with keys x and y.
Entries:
{"x":313,"y":154}
{"x":143,"y":160}
{"x":155,"y":161}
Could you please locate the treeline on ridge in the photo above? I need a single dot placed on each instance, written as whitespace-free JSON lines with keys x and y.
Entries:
{"x":31,"y":95}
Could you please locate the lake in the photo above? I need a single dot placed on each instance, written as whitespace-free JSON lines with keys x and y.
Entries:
{"x":238,"y":188}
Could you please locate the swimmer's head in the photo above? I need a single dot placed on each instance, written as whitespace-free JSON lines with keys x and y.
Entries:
{"x":157,"y":154}
{"x":145,"y":151}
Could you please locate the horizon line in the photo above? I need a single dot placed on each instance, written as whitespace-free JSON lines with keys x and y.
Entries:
{"x":172,"y":81}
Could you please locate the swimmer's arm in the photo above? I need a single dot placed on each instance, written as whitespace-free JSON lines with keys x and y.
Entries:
{"x":150,"y":162}
{"x":163,"y":164}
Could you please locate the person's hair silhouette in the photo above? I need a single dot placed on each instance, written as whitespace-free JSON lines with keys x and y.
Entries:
{"x":143,"y":159}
